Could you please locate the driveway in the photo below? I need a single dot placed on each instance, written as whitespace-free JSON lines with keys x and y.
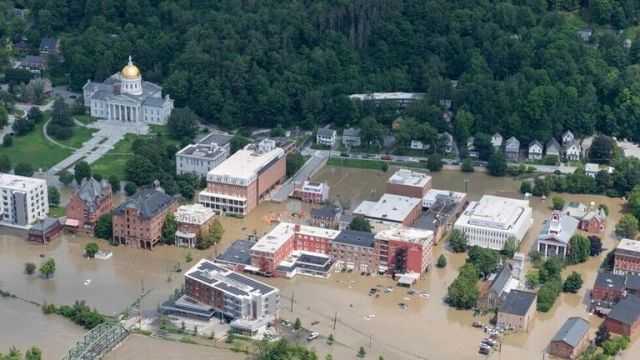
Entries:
{"x":317,"y":160}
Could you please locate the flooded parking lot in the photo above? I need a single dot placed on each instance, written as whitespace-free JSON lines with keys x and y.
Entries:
{"x":425,"y":329}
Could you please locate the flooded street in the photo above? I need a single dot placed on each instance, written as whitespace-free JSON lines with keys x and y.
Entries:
{"x":427,"y":329}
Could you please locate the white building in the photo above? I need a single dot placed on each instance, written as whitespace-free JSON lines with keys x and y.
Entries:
{"x":125,"y":97}
{"x":496,"y":140}
{"x":535,"y":150}
{"x":326,"y":137}
{"x":493,"y":220}
{"x":432,"y":196}
{"x":391,"y":209}
{"x":24,"y":200}
{"x":556,"y":233}
{"x":591,"y":169}
{"x":206,"y":154}
{"x":312,"y":191}
{"x":399,"y":98}
{"x":250,"y":303}
{"x":191,"y":220}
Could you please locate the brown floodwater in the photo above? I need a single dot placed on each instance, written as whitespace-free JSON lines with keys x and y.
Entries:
{"x":427,"y":329}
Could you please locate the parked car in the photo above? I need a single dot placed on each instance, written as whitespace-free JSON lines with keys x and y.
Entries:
{"x":314,"y":335}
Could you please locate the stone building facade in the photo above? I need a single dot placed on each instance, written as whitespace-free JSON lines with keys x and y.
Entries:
{"x":92,"y":200}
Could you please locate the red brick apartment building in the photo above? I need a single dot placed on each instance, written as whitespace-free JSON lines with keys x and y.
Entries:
{"x":405,"y":250}
{"x":92,"y":200}
{"x":237,"y":185}
{"x":627,"y":257}
{"x":138,"y":221}
{"x":285,"y":238}
{"x":409,"y":183}
{"x":624,"y":318}
{"x":571,"y":339}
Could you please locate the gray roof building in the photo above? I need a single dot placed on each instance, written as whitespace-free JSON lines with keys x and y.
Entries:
{"x":553,"y":147}
{"x":92,"y":192}
{"x":572,"y":331}
{"x":148,"y":202}
{"x":326,"y":212}
{"x":239,"y":253}
{"x":627,"y":311}
{"x":49,"y":45}
{"x":355,"y":238}
{"x":218,"y":138}
{"x":518,"y":302}
{"x":326,"y":132}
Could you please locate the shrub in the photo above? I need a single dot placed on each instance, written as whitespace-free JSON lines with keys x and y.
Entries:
{"x":442,"y":261}
{"x":29,"y":268}
{"x":91,"y":249}
{"x":572,"y":283}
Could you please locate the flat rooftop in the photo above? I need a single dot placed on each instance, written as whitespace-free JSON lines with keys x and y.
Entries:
{"x":387,"y":96}
{"x":390,"y":207}
{"x":629,"y":245}
{"x":194,"y":214}
{"x":213,"y":275}
{"x":435,"y":194}
{"x":15,"y":182}
{"x":202,"y":151}
{"x":408,"y":177}
{"x":243,"y":167}
{"x":406,"y":234}
{"x":239,"y":253}
{"x":218,"y":138}
{"x":280,"y":234}
{"x":494,"y":212}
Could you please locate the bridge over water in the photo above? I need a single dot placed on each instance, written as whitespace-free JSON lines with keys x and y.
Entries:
{"x":98,"y":342}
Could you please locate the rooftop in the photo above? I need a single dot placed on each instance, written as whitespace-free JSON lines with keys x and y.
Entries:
{"x":627,"y":311}
{"x":434,"y":195}
{"x":387,"y":96}
{"x":628,"y":245}
{"x":410,"y":178}
{"x":518,"y":302}
{"x":390,"y":207}
{"x":16,"y":182}
{"x":148,"y":202}
{"x":406,"y":234}
{"x":494,"y":212}
{"x":355,"y":238}
{"x":218,"y":138}
{"x":325,"y":212}
{"x":326,"y":132}
{"x":280,"y":234}
{"x":610,"y":280}
{"x":209,"y":151}
{"x":194,"y":214}
{"x":243,"y":166}
{"x":591,"y":167}
{"x":561,"y":229}
{"x":572,"y":331}
{"x":213,"y":275}
{"x":237,"y":253}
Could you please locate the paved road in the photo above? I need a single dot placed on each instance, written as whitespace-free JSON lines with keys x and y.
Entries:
{"x":107,"y":136}
{"x":317,"y":160}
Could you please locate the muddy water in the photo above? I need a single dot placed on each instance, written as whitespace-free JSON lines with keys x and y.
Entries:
{"x":137,"y":347}
{"x":427,"y":329}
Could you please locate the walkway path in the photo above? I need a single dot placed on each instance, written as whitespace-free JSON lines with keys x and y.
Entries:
{"x":317,"y":160}
{"x":107,"y":136}
{"x":50,"y":139}
{"x":12,"y":118}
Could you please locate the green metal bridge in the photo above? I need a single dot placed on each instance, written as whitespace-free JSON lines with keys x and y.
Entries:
{"x":98,"y":342}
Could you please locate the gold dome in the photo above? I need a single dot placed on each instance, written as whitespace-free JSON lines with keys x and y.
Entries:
{"x":130,"y":71}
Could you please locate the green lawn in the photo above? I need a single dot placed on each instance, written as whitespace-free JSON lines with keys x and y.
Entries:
{"x":56,"y":212}
{"x":35,"y":149}
{"x":80,"y":135}
{"x":356,"y":163}
{"x":114,"y":162}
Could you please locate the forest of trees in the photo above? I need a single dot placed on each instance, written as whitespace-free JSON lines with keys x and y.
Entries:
{"x":520,"y":66}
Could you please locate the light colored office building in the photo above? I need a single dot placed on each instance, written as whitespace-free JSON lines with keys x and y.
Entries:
{"x":409,"y":183}
{"x":493,"y":220}
{"x":237,"y":185}
{"x":204,"y":155}
{"x":391,"y":209}
{"x":193,"y":221}
{"x":250,"y":303}
{"x":23,"y":200}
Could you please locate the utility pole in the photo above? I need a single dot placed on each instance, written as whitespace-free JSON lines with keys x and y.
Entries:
{"x":466,"y":186}
{"x":140,"y":305}
{"x":335,"y":320}
{"x":293,"y":296}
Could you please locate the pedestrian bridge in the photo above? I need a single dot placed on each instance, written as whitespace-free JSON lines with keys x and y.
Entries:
{"x":97,"y":342}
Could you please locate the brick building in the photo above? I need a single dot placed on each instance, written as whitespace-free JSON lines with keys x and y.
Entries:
{"x":608,"y":289}
{"x":624,"y":318}
{"x":409,"y":183}
{"x":355,"y":250}
{"x":311,"y":191}
{"x":237,"y":185}
{"x":627,"y":257}
{"x":193,"y":222}
{"x":92,"y":200}
{"x":403,"y":250}
{"x":326,"y":216}
{"x":517,"y":310}
{"x":571,"y":339}
{"x":138,"y":221}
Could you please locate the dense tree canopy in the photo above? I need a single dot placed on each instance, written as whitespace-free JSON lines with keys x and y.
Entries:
{"x":520,"y":67}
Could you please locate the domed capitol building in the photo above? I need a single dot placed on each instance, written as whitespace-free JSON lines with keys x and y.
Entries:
{"x":125,"y":97}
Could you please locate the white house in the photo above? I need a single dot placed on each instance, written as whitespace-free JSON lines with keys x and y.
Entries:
{"x":417,"y":145}
{"x":567,"y":137}
{"x":493,"y":220}
{"x":535,"y":150}
{"x":591,"y":169}
{"x":572,"y":151}
{"x":496,"y":140}
{"x":556,"y":233}
{"x":512,"y":149}
{"x":326,"y":137}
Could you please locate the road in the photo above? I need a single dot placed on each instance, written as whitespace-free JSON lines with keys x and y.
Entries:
{"x":317,"y":160}
{"x":12,"y":118}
